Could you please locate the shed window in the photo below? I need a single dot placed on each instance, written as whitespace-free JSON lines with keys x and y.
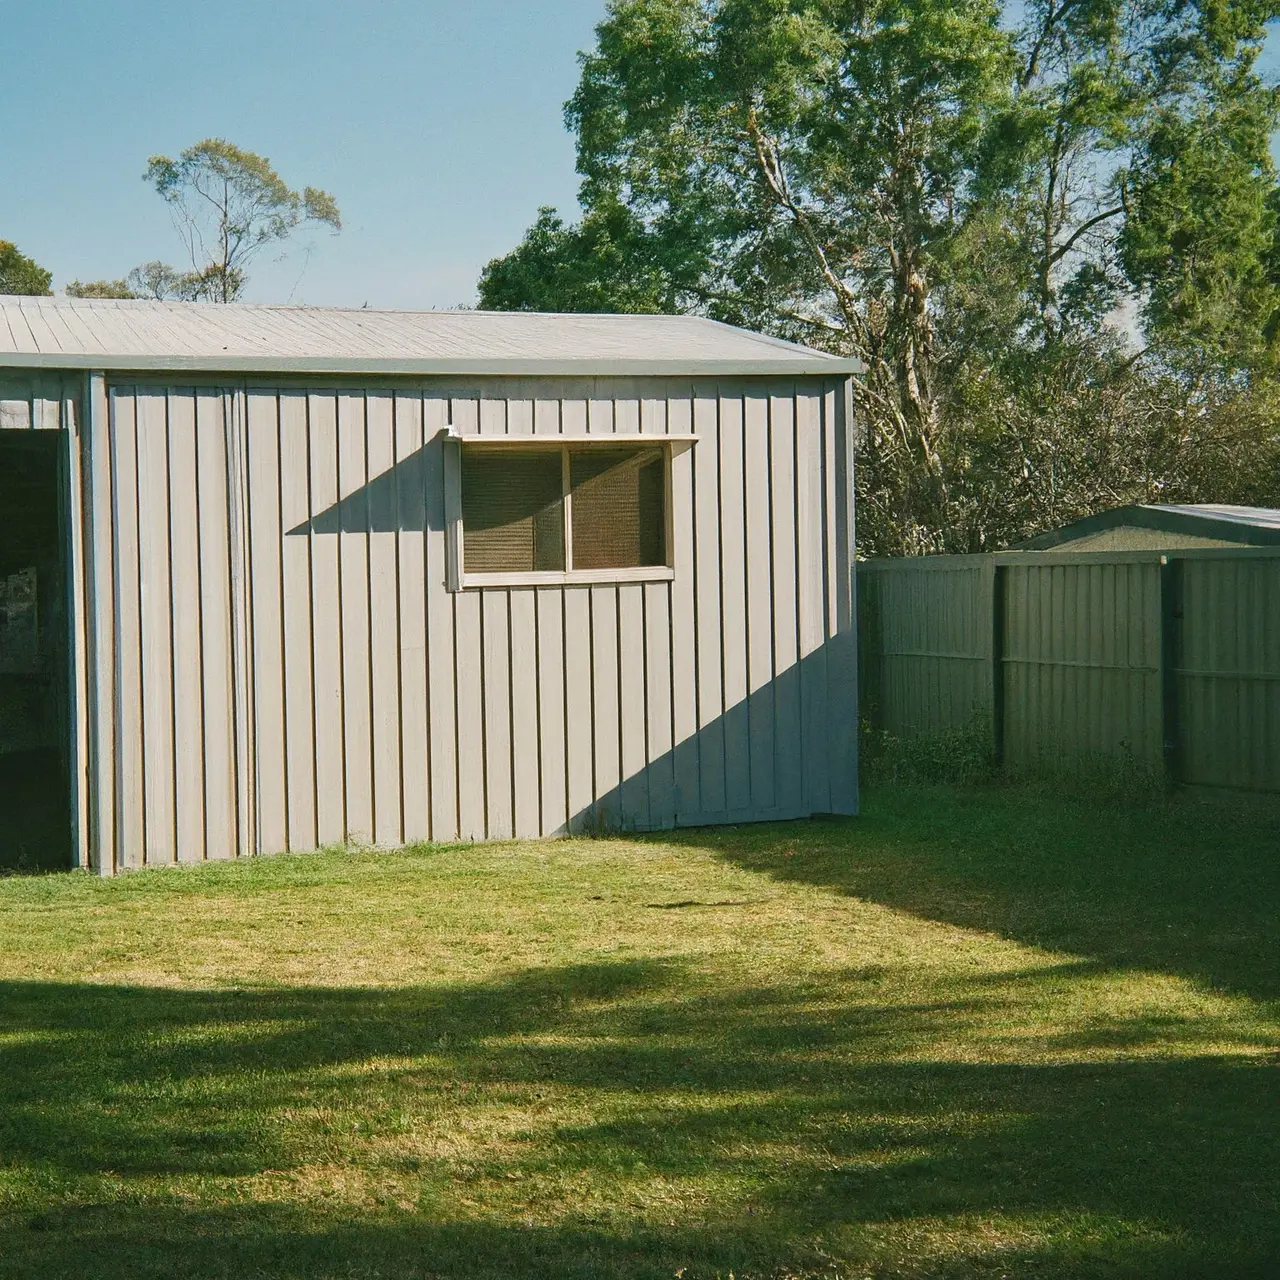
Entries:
{"x":565,"y":509}
{"x":512,"y":511}
{"x":619,"y":521}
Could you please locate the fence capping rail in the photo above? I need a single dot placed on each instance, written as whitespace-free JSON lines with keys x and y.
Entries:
{"x":974,"y":560}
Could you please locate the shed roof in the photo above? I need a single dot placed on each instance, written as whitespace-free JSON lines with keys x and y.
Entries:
{"x":85,"y":333}
{"x":1251,"y":526}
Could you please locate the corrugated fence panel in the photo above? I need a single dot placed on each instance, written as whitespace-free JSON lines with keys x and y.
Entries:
{"x":293,"y":672}
{"x":1172,"y":662}
{"x":1228,"y":674}
{"x":1082,"y":663}
{"x":926,"y":645}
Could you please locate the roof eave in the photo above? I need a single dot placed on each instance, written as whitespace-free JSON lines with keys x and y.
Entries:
{"x":787,"y":367}
{"x":1159,"y":519}
{"x":1100,"y":522}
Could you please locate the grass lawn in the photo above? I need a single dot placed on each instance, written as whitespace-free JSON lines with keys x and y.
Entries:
{"x":985,"y":1033}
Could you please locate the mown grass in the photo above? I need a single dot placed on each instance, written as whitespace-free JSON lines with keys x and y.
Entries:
{"x":983,"y":1033}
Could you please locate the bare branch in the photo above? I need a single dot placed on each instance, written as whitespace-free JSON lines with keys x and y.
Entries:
{"x":1083,"y":229}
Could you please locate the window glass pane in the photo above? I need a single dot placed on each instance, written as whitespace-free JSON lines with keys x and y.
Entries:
{"x":512,"y":510}
{"x":619,"y":516}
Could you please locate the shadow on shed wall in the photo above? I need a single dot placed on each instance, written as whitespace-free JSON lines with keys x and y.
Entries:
{"x":786,"y":750}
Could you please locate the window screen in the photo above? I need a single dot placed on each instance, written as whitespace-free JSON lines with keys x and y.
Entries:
{"x":619,"y":521}
{"x":512,"y":510}
{"x":515,"y":514}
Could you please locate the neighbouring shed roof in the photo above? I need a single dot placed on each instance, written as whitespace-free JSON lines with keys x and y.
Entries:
{"x":1202,"y":522}
{"x":142,"y":336}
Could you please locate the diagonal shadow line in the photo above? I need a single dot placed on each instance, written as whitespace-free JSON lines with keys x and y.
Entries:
{"x":402,"y":499}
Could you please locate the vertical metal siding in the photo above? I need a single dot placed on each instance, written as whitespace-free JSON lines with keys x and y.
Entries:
{"x":100,"y":631}
{"x":926,"y":655}
{"x":292,"y":671}
{"x":1082,"y":663}
{"x":1228,"y":675}
{"x":34,"y":401}
{"x":1095,"y":653}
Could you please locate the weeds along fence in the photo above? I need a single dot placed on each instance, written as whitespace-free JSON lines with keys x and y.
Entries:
{"x":1164,"y":662}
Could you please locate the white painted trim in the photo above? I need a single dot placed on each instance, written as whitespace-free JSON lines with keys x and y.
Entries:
{"x":72,"y":410}
{"x":575,"y":441}
{"x":577,"y":578}
{"x":456,"y":577}
{"x":102,"y":675}
{"x":452,"y":513}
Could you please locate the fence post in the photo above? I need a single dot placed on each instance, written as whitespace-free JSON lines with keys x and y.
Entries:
{"x":1170,"y":613}
{"x":998,"y":588}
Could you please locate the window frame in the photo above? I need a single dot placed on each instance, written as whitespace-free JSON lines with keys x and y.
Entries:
{"x":458,"y":579}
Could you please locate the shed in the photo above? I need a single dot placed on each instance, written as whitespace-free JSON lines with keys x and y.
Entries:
{"x":274,"y":578}
{"x":1164,"y":528}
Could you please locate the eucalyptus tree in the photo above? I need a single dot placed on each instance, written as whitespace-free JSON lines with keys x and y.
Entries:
{"x":228,"y":205}
{"x":1143,"y":135}
{"x":970,"y":204}
{"x":115,"y":289}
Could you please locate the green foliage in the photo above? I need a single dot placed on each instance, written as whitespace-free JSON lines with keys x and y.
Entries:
{"x":959,"y":757}
{"x":228,"y":205}
{"x":1212,"y":282}
{"x":20,"y":274}
{"x":100,"y":289}
{"x":991,"y":214}
{"x":597,"y":266}
{"x":161,"y":282}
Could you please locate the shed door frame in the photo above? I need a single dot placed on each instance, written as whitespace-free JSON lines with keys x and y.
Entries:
{"x":71,"y":508}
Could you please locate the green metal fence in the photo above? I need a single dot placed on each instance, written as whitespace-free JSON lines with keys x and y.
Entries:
{"x":1169,"y":661}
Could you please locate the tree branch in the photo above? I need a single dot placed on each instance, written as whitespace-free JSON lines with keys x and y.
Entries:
{"x":1054,"y":15}
{"x":1083,"y":229}
{"x":771,"y":168}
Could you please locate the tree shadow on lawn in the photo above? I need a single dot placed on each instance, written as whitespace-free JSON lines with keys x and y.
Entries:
{"x":816,"y":1130}
{"x":1184,"y":886}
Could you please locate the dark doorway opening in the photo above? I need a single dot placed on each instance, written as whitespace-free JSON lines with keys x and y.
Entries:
{"x":35,"y":784}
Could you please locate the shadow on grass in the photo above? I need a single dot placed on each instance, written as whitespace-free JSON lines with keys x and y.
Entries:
{"x":1183,"y":886}
{"x":129,"y":1115}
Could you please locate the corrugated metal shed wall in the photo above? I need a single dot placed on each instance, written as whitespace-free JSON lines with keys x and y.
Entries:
{"x":35,"y":401}
{"x":267,"y":582}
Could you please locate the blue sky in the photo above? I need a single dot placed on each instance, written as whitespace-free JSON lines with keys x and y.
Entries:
{"x":437,"y":126}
